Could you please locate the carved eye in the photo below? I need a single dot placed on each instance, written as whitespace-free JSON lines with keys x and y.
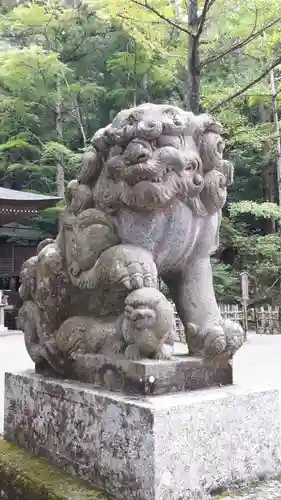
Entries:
{"x":170,"y":141}
{"x":193,"y":164}
{"x":131,"y":119}
{"x":178,"y":121}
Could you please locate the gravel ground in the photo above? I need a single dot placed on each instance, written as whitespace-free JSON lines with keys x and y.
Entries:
{"x":270,"y":490}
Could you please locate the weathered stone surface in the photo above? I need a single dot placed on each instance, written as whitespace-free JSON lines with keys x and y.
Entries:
{"x":146,"y":205}
{"x":162,"y":447}
{"x":100,"y":437}
{"x":148,"y":376}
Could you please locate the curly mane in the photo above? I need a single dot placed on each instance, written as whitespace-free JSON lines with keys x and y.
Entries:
{"x":153,"y":153}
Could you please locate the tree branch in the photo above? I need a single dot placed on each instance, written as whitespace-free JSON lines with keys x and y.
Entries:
{"x":164,"y":18}
{"x":127,"y":18}
{"x":238,"y":45}
{"x":207,"y":5}
{"x":77,"y":116}
{"x":248,"y":86}
{"x":265,"y":298}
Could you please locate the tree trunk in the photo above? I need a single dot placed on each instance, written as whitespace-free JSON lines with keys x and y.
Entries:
{"x":277,"y":132}
{"x":267,"y":173}
{"x":193,"y":76}
{"x":80,"y":121}
{"x":59,"y":131}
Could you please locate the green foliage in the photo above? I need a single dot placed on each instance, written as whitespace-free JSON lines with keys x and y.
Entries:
{"x":261,"y":257}
{"x":65,"y":72}
{"x":26,"y":477}
{"x":265,"y":210}
{"x":226,"y":282}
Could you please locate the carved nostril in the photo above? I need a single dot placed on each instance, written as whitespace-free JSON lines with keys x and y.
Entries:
{"x":142,"y":157}
{"x":151,"y":124}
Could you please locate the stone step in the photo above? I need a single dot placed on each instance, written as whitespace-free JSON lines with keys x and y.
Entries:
{"x":25,"y":477}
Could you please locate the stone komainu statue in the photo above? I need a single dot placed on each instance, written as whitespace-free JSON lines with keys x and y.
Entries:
{"x":147,"y":204}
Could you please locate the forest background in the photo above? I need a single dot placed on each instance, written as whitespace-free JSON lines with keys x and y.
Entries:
{"x":67,"y":67}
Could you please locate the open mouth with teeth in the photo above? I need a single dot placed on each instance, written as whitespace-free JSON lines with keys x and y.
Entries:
{"x":138,"y":174}
{"x":153,"y":184}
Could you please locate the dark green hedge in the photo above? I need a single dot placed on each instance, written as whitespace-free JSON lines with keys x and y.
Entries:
{"x":25,"y":477}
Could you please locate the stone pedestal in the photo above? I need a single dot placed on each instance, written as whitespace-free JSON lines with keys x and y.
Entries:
{"x":148,"y":376}
{"x":180,"y":446}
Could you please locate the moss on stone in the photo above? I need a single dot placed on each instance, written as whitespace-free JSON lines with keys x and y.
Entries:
{"x":26,"y":477}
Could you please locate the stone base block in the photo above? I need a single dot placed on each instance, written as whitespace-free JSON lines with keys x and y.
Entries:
{"x":148,"y":376}
{"x":182,"y":446}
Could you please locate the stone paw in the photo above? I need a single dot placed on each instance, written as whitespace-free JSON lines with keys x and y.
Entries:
{"x":133,"y":267}
{"x":234,"y":335}
{"x":132,"y":352}
{"x":139,"y":274}
{"x":165,"y":351}
{"x":224,"y":339}
{"x":214,"y":340}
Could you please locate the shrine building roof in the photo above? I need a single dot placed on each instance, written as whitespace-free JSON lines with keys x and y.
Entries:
{"x":17,"y":205}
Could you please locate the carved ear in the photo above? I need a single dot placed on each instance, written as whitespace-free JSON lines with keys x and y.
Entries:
{"x":43,"y":244}
{"x":70,"y":190}
{"x":206,"y":123}
{"x":228,"y":171}
{"x":91,"y":168}
{"x":82,"y":200}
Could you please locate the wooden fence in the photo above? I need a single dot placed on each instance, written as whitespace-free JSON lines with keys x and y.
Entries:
{"x":263,"y":320}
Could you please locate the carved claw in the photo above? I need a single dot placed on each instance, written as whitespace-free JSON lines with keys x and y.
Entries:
{"x":226,"y":338}
{"x":132,"y":352}
{"x":138,"y":275}
{"x":164,"y":351}
{"x":135,"y":271}
{"x":215,"y":341}
{"x":234,"y":335}
{"x":129,"y":265}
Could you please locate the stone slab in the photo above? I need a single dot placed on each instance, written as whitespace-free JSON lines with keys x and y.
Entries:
{"x":146,"y":376}
{"x":181,"y":446}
